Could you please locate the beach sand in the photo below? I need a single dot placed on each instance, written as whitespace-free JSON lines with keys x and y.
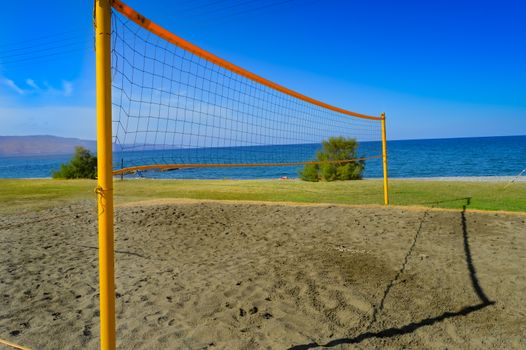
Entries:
{"x":218,"y":275}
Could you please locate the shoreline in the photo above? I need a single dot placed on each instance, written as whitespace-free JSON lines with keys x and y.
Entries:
{"x":496,"y":178}
{"x":465,"y":178}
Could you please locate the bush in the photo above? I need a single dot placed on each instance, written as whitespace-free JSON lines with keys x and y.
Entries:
{"x":335,"y":162}
{"x":83,"y":165}
{"x":328,"y":172}
{"x":310,"y":173}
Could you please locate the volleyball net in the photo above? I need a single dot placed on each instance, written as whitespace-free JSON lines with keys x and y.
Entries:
{"x":176,"y":106}
{"x":164,"y":103}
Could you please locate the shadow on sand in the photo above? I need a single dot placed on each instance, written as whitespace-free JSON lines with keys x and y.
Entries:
{"x":413,"y":326}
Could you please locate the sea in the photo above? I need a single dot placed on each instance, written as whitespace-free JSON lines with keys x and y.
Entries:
{"x":477,"y":156}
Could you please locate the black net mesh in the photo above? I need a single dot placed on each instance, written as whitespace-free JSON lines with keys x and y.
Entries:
{"x":173,"y":108}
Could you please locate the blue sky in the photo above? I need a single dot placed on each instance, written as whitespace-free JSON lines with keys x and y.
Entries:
{"x":437,"y":68}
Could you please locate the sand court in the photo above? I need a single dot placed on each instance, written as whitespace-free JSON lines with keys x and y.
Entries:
{"x":216,"y":275}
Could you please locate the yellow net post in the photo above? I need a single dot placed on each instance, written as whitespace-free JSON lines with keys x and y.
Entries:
{"x":384,"y":162}
{"x":105,"y":177}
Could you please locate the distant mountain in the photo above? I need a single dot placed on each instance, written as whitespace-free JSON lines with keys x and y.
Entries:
{"x":41,"y":145}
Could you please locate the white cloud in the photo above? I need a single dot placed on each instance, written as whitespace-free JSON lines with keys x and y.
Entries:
{"x":31,"y":83}
{"x":12,"y":85}
{"x":33,"y":88}
{"x":67,"y":88}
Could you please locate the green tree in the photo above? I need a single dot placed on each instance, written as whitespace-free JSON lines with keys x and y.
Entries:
{"x":336,"y":162}
{"x":83,"y":165}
